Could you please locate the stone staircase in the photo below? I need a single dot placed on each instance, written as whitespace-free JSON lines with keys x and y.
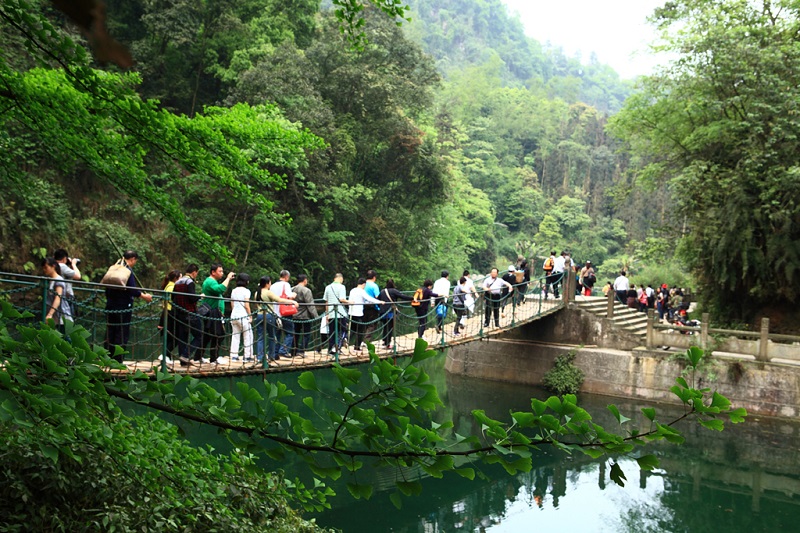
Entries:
{"x":625,"y":318}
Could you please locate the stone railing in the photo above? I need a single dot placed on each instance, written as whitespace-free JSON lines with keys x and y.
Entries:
{"x":760,"y":345}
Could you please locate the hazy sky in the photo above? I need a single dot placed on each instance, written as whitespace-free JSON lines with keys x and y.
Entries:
{"x":616,"y":30}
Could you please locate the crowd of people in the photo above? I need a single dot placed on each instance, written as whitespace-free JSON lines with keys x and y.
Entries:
{"x":280,"y":324}
{"x":669,"y":303}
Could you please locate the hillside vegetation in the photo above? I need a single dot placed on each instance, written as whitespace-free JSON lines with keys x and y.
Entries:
{"x":250,"y":132}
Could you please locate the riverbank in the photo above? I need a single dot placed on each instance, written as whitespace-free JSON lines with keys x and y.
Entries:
{"x":764,"y":389}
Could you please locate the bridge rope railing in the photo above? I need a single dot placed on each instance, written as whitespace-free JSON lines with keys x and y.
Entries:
{"x":160,"y":331}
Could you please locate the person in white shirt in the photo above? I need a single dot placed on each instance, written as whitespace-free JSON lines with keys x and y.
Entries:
{"x":357,"y":298}
{"x":621,"y":287}
{"x":493,"y":291}
{"x":241,"y":319}
{"x":441,"y":287}
{"x":282,"y":289}
{"x":558,"y":272}
{"x":472,"y":295}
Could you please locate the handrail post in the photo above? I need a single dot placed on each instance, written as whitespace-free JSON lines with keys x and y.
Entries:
{"x":513,"y":296}
{"x":264,"y":338}
{"x":612,"y":295}
{"x":394,"y":330}
{"x":336,"y":343}
{"x":763,"y":344}
{"x":704,"y":325}
{"x":164,"y":341}
{"x":442,"y":341}
{"x":482,"y":320}
{"x":650,"y":342}
{"x":44,"y":300}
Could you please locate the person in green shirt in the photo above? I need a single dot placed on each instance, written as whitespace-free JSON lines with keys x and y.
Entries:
{"x":212,"y":308}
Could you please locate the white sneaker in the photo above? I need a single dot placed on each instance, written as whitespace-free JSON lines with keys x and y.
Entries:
{"x":234,"y":358}
{"x":205,"y":360}
{"x":222,"y":360}
{"x":161,"y":358}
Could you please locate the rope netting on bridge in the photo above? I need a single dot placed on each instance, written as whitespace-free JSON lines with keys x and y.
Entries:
{"x":160,"y":333}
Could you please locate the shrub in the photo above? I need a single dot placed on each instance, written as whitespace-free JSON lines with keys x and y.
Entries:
{"x":564,"y":377}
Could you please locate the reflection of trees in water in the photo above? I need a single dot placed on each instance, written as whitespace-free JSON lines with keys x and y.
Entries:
{"x":454,"y":504}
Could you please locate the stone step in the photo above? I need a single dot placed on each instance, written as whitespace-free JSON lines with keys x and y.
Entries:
{"x":639,"y":320}
{"x":625,"y":318}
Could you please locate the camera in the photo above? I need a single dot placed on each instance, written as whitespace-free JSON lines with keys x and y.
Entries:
{"x":76,"y":261}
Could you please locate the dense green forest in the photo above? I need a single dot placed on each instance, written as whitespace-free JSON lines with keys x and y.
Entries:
{"x":417,"y":163}
{"x":253,"y":133}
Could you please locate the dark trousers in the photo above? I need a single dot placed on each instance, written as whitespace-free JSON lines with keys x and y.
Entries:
{"x":551,"y":282}
{"x":622,"y":296}
{"x":519,"y":293}
{"x":213,"y":331}
{"x":337,"y":333}
{"x":423,"y":323}
{"x":118,"y":331}
{"x":188,"y":329}
{"x":388,"y":328}
{"x":302,"y":336}
{"x":357,"y":329}
{"x":492,"y":308}
{"x":286,"y":344}
{"x":371,"y":323}
{"x":460,"y":311}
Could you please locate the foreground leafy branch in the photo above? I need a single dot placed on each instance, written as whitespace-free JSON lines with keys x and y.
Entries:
{"x":387,"y":413}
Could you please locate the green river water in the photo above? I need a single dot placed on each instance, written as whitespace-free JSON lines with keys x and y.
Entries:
{"x":744,"y":479}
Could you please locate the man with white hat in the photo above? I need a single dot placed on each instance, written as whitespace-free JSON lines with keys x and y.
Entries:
{"x":509,"y":277}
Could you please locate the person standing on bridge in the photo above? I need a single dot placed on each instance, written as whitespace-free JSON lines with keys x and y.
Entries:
{"x":187,"y":322}
{"x":422,"y":303}
{"x":587,"y":278}
{"x":306,"y":313}
{"x":472,"y":295}
{"x":57,"y":305}
{"x":359,"y":299}
{"x":284,"y":290}
{"x":212,"y":308}
{"x":70,"y":272}
{"x":548,"y":265}
{"x":621,"y":287}
{"x":509,"y":277}
{"x":119,"y":308}
{"x":391,"y":296}
{"x":371,"y":312}
{"x":559,"y":266}
{"x":459,"y":302}
{"x":442,"y":289}
{"x":241,"y":319}
{"x":335,"y":295}
{"x":493,"y":294}
{"x":266,"y":321}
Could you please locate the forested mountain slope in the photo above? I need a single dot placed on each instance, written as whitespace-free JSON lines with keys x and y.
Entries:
{"x":464,"y":33}
{"x":314,"y":158}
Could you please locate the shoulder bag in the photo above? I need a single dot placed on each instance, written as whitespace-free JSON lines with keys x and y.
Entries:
{"x":286,"y":309}
{"x":117,"y":274}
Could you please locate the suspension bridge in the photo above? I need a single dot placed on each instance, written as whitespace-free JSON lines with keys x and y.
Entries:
{"x":151,"y":347}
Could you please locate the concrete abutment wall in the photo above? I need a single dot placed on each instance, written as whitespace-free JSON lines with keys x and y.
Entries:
{"x":615,"y":366}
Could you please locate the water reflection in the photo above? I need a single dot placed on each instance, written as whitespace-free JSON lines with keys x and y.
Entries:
{"x":746,"y":478}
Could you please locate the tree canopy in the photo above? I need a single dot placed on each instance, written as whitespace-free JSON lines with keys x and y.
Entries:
{"x":719,"y":127}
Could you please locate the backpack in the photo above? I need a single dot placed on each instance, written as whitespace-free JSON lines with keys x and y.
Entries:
{"x":417,"y":300}
{"x":548,"y":264}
